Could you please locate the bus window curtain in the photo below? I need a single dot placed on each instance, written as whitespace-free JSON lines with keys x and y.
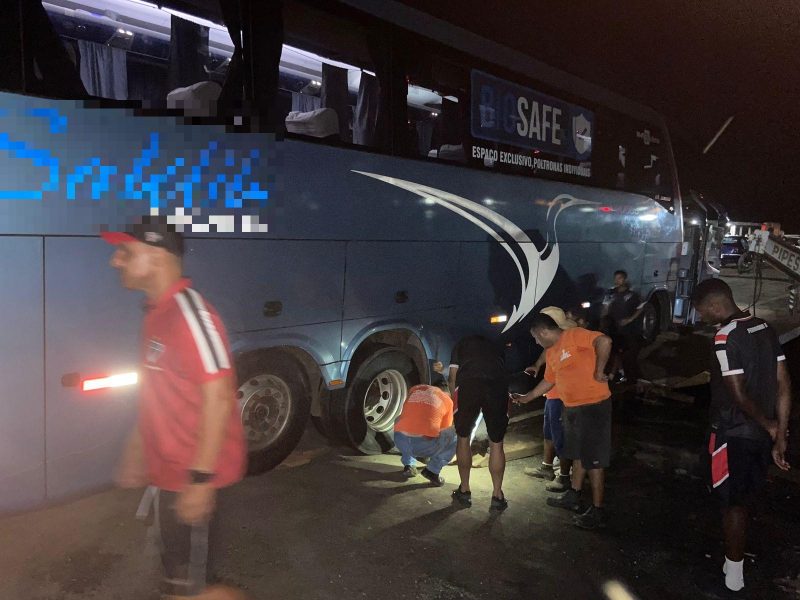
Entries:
{"x":450,"y":123}
{"x":424,"y":137}
{"x":232,"y":96}
{"x":188,"y":53}
{"x":11,"y":75}
{"x":391,"y":119}
{"x":336,"y":95}
{"x":256,"y":28}
{"x":104,"y":70}
{"x":304,"y":102}
{"x":48,"y":69}
{"x":365,"y":120}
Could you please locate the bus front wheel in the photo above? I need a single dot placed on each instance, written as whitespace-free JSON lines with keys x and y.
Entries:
{"x":274,"y":405}
{"x":363,"y":414}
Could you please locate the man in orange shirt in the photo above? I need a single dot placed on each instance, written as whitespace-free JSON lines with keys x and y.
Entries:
{"x":576,"y":361}
{"x":425,"y":428}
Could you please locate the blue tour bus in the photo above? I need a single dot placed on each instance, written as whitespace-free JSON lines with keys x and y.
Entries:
{"x":360,"y":185}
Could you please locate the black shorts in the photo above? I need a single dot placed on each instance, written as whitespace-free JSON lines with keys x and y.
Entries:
{"x":187,"y":552}
{"x":738,"y":467}
{"x":587,"y":434}
{"x":489,"y":396}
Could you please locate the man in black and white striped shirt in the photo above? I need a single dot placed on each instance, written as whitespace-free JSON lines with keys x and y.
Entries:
{"x":750,"y":405}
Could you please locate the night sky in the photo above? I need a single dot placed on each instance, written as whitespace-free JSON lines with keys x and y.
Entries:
{"x":696,"y":62}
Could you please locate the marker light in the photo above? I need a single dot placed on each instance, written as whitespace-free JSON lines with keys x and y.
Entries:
{"x":498,"y":319}
{"x":586,"y":305}
{"x":606,"y":209}
{"x":112,"y":381}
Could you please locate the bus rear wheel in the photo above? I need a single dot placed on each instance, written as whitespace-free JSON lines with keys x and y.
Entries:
{"x":274,"y":405}
{"x":363,"y":414}
{"x":651,"y":320}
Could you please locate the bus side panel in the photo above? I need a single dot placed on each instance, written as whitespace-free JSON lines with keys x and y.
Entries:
{"x":239,"y":277}
{"x":660,"y":262}
{"x":92,"y":329}
{"x":432,"y":327}
{"x":22,"y":473}
{"x":393,"y":278}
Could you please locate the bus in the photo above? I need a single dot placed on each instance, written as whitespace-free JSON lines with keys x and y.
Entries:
{"x":360,"y":185}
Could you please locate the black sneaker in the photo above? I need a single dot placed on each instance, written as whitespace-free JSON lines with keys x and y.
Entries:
{"x":498,"y":504}
{"x":435,"y":479}
{"x":560,"y":484}
{"x":409,"y":471}
{"x":463,"y":498}
{"x":571,"y":500}
{"x":593,"y":518}
{"x":543,"y":471}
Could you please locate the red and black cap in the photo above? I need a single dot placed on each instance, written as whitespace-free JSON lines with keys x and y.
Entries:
{"x":151,"y":230}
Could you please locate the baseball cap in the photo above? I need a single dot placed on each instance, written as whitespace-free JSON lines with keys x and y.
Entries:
{"x":559,"y":317}
{"x":153,"y":231}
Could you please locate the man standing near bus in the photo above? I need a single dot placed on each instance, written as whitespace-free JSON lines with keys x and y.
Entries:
{"x":576,"y":359}
{"x":623,"y":308}
{"x":750,"y":405}
{"x":189,"y":441}
{"x":477,"y":369}
{"x":552,"y":427}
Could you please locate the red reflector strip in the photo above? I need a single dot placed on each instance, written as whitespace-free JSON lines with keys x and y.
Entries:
{"x":112,"y":381}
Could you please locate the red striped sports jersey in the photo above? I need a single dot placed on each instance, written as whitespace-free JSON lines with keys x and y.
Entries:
{"x":184,"y":345}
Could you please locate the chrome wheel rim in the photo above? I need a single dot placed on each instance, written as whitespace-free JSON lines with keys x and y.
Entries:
{"x":383,"y":399}
{"x":265,"y":402}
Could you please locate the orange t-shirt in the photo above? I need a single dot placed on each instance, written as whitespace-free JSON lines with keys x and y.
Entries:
{"x":571,"y":364}
{"x":426,"y":411}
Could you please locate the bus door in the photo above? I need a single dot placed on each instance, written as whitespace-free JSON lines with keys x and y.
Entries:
{"x":91,"y":342}
{"x":22,"y":475}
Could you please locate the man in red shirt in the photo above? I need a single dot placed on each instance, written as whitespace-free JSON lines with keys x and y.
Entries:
{"x":189,"y":441}
{"x":576,"y":360}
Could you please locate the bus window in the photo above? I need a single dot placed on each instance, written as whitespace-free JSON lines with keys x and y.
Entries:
{"x":134,"y":51}
{"x":327,"y":87}
{"x":632,"y":156}
{"x":438,"y":105}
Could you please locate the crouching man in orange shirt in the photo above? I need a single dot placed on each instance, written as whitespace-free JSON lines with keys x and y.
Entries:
{"x":576,"y":360}
{"x":425,"y":428}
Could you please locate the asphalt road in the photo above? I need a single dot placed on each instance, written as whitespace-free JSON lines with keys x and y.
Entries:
{"x":330,"y":525}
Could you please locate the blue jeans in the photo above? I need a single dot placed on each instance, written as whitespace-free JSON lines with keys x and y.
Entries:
{"x":553,"y":426}
{"x":439,"y":451}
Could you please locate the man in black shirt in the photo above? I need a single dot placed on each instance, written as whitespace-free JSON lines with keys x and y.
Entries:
{"x":477,"y":370}
{"x":750,"y":404}
{"x":623,"y":308}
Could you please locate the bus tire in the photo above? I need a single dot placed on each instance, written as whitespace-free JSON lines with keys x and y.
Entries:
{"x":363,"y":414}
{"x":651,"y":320}
{"x":274,"y":405}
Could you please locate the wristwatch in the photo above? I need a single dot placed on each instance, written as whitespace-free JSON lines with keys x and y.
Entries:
{"x":196,"y":477}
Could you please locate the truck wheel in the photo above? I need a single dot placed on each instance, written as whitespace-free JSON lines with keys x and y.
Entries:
{"x":274,"y":406}
{"x":363,"y":414}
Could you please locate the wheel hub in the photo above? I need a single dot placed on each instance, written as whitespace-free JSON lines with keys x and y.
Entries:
{"x":384,"y":399}
{"x":265,"y":403}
